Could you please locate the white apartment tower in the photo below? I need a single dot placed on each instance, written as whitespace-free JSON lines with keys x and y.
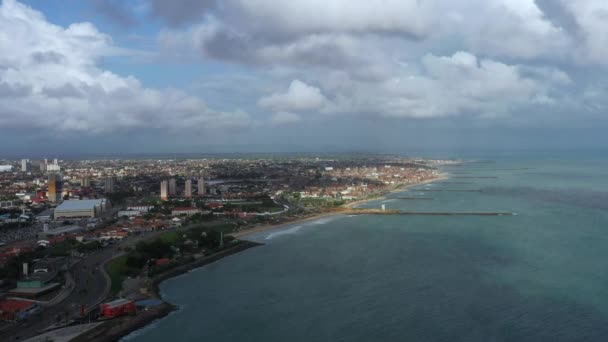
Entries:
{"x":188,"y":189}
{"x":164,"y":190}
{"x":201,"y":186}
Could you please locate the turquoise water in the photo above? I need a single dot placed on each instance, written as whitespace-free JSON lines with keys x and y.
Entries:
{"x":541,"y":275}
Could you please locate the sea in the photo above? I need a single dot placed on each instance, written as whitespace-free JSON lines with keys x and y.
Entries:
{"x":540,"y":274}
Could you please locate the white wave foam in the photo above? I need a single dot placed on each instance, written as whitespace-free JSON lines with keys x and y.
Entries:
{"x":289,"y":231}
{"x":321,"y":221}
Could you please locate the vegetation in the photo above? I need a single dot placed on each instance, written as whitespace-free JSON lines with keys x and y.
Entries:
{"x":118,"y":270}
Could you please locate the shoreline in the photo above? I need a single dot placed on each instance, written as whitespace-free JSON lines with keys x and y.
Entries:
{"x":123,"y":327}
{"x":116,"y":329}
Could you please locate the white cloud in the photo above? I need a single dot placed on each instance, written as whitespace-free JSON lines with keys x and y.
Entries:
{"x":591,"y":16}
{"x":299,"y":97}
{"x":512,"y":28}
{"x":49,"y":78}
{"x":446,"y":86}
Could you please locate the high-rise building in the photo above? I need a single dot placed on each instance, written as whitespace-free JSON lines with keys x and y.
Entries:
{"x":55,"y":186}
{"x":164,"y":190}
{"x":201,"y":186}
{"x":43,"y":165}
{"x":26,"y":165}
{"x":53,"y":167}
{"x":172,"y":191}
{"x":109,"y":185}
{"x":85,"y":181}
{"x":188,"y":189}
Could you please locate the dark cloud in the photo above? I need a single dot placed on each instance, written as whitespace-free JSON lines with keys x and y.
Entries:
{"x":115,"y":11}
{"x":14,"y":90}
{"x":176,"y":13}
{"x":555,"y":12}
{"x":66,"y":90}
{"x":47,"y":57}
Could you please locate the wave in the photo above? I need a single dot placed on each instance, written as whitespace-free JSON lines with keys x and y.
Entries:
{"x":289,"y":231}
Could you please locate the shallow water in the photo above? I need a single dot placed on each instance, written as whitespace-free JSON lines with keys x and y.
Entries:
{"x":537,"y":276}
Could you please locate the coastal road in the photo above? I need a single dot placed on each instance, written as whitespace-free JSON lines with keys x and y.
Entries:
{"x":91,"y":287}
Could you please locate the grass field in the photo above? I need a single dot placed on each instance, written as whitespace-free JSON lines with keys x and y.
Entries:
{"x":117,"y":270}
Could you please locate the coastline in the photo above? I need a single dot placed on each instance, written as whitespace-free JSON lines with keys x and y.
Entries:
{"x":119,"y":328}
{"x":116,"y":329}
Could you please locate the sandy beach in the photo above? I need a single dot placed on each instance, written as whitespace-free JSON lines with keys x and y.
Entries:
{"x":350,"y":205}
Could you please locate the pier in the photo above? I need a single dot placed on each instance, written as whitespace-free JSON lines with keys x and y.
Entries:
{"x":422,"y":213}
{"x":447,"y":190}
{"x":413,"y":198}
{"x":477,"y":177}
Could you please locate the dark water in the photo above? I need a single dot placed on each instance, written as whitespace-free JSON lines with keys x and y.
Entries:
{"x":541,"y":275}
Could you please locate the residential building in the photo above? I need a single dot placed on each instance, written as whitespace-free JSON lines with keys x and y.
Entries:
{"x":172,"y":190}
{"x":164,"y":190}
{"x":55,"y":187}
{"x":109,"y":185}
{"x":188,"y":189}
{"x":26,"y":165}
{"x":201,"y":186}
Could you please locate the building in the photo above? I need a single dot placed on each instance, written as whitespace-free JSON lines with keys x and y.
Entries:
{"x":16,"y":310}
{"x":26,"y":165}
{"x":185,"y":211}
{"x":172,"y":191}
{"x":117,"y":308}
{"x":6,"y":168}
{"x":80,"y":209}
{"x":55,"y":188}
{"x":53,"y":167}
{"x":109,"y":185}
{"x":188,"y":189}
{"x":201,"y":186}
{"x":129,"y":213}
{"x":164,"y":190}
{"x":85,"y":182}
{"x":142,"y":208}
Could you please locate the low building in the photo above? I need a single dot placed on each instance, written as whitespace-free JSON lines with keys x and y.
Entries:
{"x":185,"y":211}
{"x":16,"y":310}
{"x":80,"y":209}
{"x":129,"y":213}
{"x":117,"y":308}
{"x":62,"y":230}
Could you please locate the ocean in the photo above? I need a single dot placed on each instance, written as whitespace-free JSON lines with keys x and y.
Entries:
{"x":539,"y":275}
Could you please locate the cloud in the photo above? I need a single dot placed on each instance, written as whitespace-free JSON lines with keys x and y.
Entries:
{"x":115,"y":11}
{"x":285,"y":118}
{"x":591,"y":17}
{"x":299,"y":97}
{"x":176,"y":13}
{"x":51,"y":80}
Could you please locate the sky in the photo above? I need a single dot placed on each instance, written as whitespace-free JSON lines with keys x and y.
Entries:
{"x":164,"y":76}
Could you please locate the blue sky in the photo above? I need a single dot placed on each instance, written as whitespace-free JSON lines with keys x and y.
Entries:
{"x":309,"y":75}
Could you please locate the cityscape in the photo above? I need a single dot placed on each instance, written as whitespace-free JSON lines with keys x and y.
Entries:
{"x":61,"y":219}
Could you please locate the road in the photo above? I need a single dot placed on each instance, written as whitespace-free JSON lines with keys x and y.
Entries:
{"x":92,"y":286}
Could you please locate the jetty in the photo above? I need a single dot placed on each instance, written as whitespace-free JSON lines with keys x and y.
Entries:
{"x":422,"y":213}
{"x":448,"y":190}
{"x":477,"y":177}
{"x":413,"y":198}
